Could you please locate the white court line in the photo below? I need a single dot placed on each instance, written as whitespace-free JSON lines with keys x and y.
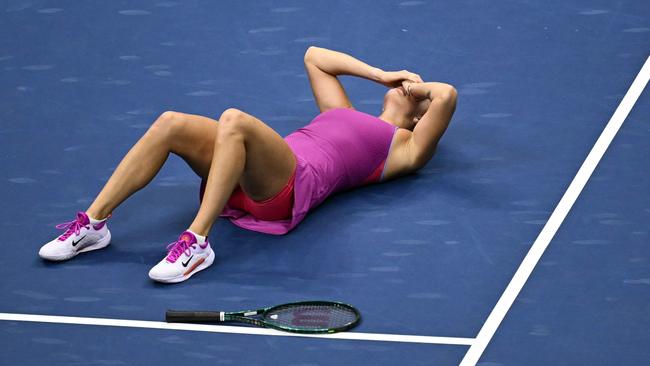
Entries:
{"x":229,"y":329}
{"x":557,"y":217}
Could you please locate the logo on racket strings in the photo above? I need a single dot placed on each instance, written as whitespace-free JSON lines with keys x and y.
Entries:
{"x":311,"y":318}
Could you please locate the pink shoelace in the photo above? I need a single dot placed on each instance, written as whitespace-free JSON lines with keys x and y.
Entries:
{"x":73,"y":226}
{"x":177,"y":248}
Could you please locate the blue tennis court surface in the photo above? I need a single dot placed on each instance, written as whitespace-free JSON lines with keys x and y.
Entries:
{"x":426,"y":255}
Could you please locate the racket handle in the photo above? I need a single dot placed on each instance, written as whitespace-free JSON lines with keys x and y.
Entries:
{"x":175,"y":316}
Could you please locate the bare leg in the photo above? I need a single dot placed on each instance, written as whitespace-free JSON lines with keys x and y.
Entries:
{"x":246,"y":151}
{"x":189,"y":136}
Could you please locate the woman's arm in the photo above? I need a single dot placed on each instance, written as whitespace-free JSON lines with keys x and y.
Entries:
{"x":323,"y":66}
{"x":434,"y":122}
{"x":337,"y":63}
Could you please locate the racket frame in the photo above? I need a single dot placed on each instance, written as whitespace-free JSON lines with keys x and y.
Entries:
{"x":174,"y":316}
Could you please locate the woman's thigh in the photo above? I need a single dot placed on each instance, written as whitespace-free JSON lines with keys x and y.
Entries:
{"x":270,"y":162}
{"x":192,"y":138}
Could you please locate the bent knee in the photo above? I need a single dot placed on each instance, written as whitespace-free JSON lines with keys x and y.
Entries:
{"x":232,"y":121}
{"x":166,"y":124}
{"x":231,"y":115}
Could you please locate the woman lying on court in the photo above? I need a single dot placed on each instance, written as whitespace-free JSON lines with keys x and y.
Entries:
{"x":264,"y":182}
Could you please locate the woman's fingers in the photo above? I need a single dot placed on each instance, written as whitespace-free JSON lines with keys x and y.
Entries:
{"x":393,"y":79}
{"x":413,"y":77}
{"x":406,"y":85}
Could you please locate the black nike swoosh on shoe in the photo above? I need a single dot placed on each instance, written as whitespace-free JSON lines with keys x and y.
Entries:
{"x":188,"y":261}
{"x":74,"y":243}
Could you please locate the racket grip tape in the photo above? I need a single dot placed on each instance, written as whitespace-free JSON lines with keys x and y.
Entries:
{"x":176,"y":316}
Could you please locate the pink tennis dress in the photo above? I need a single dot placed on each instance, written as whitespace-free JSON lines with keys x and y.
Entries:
{"x":338,"y":150}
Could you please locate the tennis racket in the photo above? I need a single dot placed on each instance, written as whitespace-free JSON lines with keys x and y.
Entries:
{"x":298,"y":317}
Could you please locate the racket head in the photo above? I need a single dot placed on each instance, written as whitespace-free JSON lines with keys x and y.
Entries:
{"x":312,"y":317}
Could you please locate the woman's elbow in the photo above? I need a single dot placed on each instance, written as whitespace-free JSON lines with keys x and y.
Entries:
{"x":309,"y":53}
{"x":449,"y":92}
{"x":449,"y":95}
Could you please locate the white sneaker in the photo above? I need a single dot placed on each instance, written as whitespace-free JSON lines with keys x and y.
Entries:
{"x":186,"y":257}
{"x":79,"y":236}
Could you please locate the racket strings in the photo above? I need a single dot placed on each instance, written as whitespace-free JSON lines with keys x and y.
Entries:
{"x":312,"y":316}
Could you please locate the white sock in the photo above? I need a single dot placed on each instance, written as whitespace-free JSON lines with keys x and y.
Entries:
{"x":94,"y":221}
{"x":199,"y":238}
